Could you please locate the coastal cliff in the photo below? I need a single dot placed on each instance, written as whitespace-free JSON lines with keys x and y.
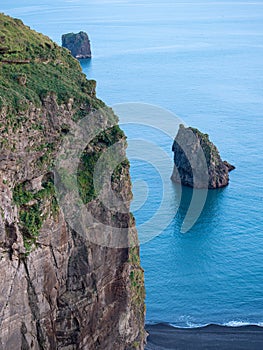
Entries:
{"x":58,"y":290}
{"x":197,"y":162}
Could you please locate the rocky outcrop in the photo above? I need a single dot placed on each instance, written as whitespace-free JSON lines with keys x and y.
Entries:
{"x":58,"y":290}
{"x":78,"y":44}
{"x":197,"y":162}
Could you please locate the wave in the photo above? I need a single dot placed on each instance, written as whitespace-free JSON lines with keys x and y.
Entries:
{"x":242,"y":324}
{"x":191,"y":325}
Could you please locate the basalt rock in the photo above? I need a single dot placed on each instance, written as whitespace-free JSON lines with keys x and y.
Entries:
{"x":59,"y":290}
{"x":78,"y":44}
{"x":197,"y":162}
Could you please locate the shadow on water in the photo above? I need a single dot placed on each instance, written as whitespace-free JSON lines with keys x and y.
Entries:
{"x":213,"y":203}
{"x":86,"y":64}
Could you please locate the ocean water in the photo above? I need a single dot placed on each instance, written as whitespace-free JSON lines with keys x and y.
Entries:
{"x":201,"y":60}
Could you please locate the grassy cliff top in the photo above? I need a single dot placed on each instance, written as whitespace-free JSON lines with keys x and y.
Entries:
{"x":32,"y":66}
{"x":19,"y":41}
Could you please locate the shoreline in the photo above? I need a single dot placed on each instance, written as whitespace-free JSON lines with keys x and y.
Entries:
{"x":165,"y":337}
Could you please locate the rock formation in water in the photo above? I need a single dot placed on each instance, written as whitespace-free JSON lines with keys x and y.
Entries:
{"x":197,"y":162}
{"x":78,"y":44}
{"x":57,"y":289}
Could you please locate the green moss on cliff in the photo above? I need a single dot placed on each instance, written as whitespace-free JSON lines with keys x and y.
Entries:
{"x":89,"y":159}
{"x":136,"y":277}
{"x":137,"y":288}
{"x":210,"y":151}
{"x":31,"y":209}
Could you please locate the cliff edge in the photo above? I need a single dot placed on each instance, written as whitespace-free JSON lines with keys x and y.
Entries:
{"x":197,"y":162}
{"x":58,"y":290}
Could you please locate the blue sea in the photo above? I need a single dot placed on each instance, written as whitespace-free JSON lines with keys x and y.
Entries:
{"x":202,"y":61}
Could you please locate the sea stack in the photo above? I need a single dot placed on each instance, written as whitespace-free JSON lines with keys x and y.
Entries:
{"x":78,"y":44}
{"x":197,"y":162}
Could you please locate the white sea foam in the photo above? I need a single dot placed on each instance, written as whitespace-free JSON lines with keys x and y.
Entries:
{"x":242,"y":324}
{"x":191,"y":325}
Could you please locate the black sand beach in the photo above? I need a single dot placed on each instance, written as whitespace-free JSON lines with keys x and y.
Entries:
{"x":164,"y":337}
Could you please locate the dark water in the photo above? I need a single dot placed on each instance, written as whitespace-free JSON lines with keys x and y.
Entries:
{"x":202,"y":60}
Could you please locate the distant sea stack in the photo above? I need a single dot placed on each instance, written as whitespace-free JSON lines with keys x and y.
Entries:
{"x":197,"y":162}
{"x":78,"y":44}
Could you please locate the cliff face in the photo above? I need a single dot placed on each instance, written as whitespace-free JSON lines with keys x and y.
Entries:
{"x":78,"y":44}
{"x":197,"y":161}
{"x":58,"y":290}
